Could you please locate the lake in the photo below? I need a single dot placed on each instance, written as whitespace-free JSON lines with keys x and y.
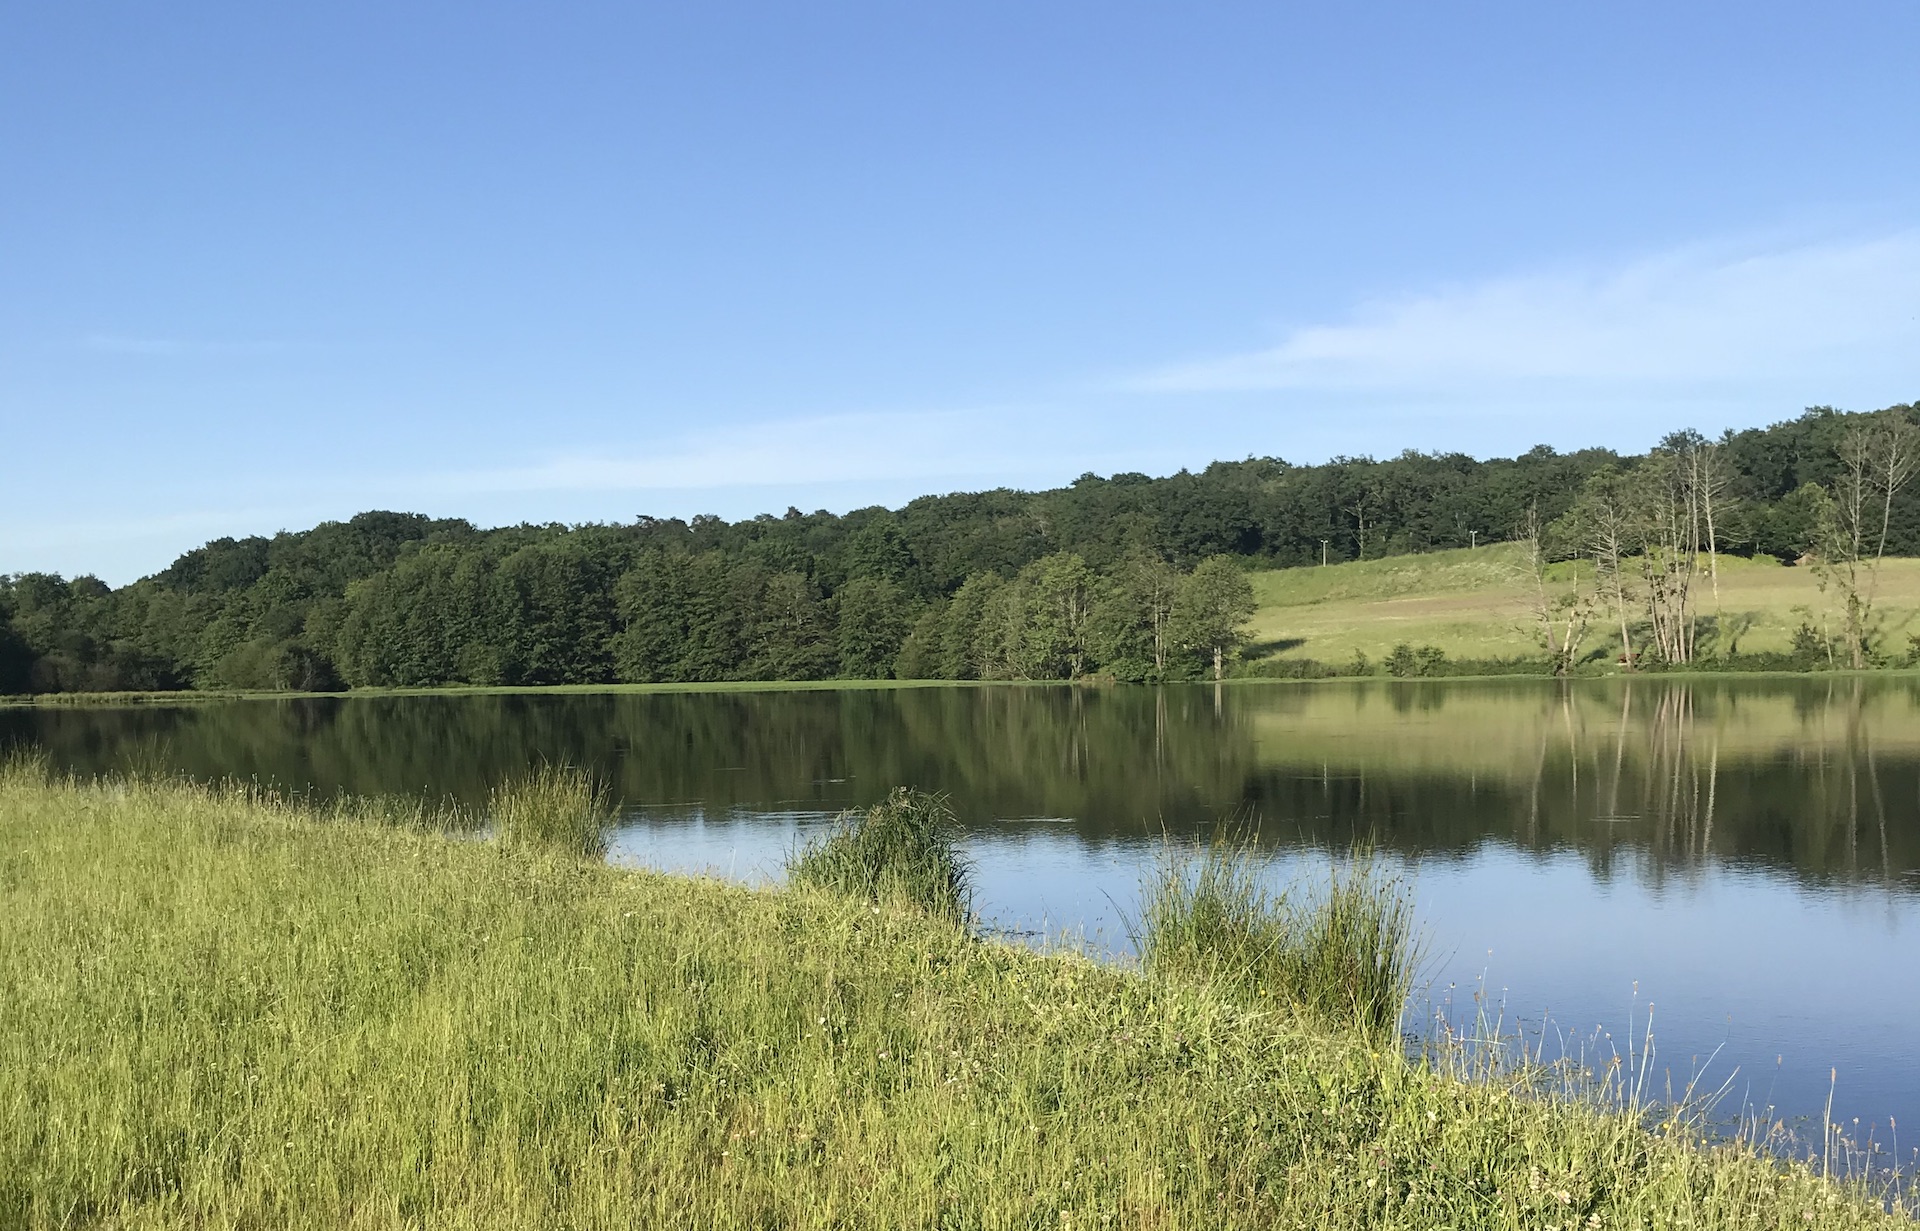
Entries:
{"x":1742,"y":857}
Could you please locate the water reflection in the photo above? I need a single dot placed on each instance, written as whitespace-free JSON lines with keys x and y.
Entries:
{"x":1818,"y":777}
{"x":1744,"y":852}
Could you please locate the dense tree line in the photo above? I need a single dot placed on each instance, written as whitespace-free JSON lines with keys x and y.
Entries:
{"x":1127,"y":575}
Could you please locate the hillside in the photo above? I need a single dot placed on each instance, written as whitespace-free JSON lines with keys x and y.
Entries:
{"x":1478,"y":603}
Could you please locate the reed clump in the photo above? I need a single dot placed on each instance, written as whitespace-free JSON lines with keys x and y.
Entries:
{"x":556,"y":807}
{"x":1343,"y":953}
{"x":903,"y":851}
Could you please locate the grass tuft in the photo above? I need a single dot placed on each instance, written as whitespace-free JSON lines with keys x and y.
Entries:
{"x":1342,"y":955}
{"x":901,"y":851}
{"x":557,"y":807}
{"x":24,"y":767}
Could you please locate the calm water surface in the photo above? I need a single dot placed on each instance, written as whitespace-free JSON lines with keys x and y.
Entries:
{"x":1741,"y":856}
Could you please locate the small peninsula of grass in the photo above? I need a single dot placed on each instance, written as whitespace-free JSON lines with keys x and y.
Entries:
{"x":226,"y":1010}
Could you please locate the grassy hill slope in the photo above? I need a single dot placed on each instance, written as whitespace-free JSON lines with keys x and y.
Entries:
{"x":1478,"y":604}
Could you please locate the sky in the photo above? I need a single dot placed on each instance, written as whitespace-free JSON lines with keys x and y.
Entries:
{"x":266,"y":265}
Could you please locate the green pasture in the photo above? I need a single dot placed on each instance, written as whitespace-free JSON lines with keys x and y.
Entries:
{"x":1480,"y":603}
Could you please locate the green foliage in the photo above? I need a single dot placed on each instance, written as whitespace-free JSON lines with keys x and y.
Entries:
{"x":900,"y":852}
{"x":1344,"y":955}
{"x":1790,"y":528}
{"x":1288,"y":669}
{"x":968,"y":647}
{"x":16,"y":659}
{"x":1209,"y":608}
{"x":1406,"y":662}
{"x":557,"y":807}
{"x":1811,"y":648}
{"x":791,"y":638}
{"x":223,"y":1011}
{"x":922,"y":655}
{"x":422,"y":622}
{"x":1132,"y":629}
{"x":871,"y":614}
{"x":878,"y":551}
{"x":62,"y":636}
{"x":551,"y":615}
{"x":1038,"y":626}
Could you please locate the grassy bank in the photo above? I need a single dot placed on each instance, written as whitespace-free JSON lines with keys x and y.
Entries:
{"x":226,"y":1011}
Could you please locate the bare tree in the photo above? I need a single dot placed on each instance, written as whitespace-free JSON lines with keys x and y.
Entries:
{"x":1712,"y":473}
{"x":1878,"y":456}
{"x":1670,"y":532}
{"x":1605,"y":520}
{"x":1560,"y":619}
{"x":1359,"y":511}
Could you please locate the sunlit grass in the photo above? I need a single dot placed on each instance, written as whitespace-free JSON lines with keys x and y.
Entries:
{"x":222,"y":1009}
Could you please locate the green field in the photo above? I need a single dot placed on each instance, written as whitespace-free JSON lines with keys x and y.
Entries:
{"x":222,"y":1010}
{"x":1479,"y":604}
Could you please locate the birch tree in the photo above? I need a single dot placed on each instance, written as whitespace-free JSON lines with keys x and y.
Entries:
{"x":1605,"y":523}
{"x":1670,"y":532}
{"x":1560,"y":618}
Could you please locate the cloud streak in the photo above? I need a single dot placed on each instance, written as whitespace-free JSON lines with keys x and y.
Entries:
{"x":1704,"y":316}
{"x":165,"y":348}
{"x":850,"y":448}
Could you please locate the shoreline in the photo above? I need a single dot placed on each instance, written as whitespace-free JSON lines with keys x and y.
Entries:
{"x":306,"y":992}
{"x":191,"y":696}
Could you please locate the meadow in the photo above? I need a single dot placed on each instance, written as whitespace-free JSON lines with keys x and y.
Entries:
{"x":1478,"y":604}
{"x":228,"y":1009}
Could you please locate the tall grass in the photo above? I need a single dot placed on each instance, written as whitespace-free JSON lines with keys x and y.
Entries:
{"x":1343,"y":954}
{"x":556,"y":807}
{"x":219,"y":1010}
{"x":901,"y":851}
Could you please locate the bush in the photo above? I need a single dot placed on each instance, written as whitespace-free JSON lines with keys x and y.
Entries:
{"x":1405,"y":661}
{"x":901,"y":851}
{"x":1287,"y":669}
{"x":1342,"y":956}
{"x":557,"y":807}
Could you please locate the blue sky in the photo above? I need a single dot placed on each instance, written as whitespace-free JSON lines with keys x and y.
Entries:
{"x":262,"y":265}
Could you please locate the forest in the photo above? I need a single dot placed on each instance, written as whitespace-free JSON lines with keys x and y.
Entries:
{"x":1127,"y":576}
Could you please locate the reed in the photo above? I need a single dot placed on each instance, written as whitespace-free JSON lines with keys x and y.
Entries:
{"x":1343,"y":953}
{"x":902,"y":851}
{"x":557,"y":807}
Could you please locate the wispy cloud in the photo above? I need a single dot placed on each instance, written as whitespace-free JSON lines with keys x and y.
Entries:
{"x":117,"y":344}
{"x":926,"y":446}
{"x":1700,"y":316}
